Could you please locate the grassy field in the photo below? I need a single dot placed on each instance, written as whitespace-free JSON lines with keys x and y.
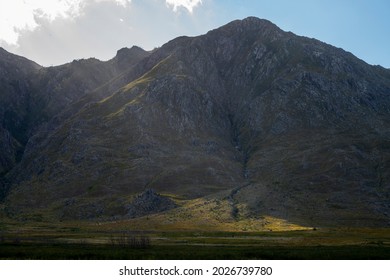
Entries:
{"x":190,"y":252}
{"x":98,"y":241}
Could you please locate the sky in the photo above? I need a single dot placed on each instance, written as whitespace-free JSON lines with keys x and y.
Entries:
{"x":53,"y":32}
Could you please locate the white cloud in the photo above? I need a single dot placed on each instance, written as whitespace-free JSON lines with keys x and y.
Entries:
{"x":20,"y":15}
{"x":188,"y":4}
{"x":123,"y":3}
{"x":17,"y":15}
{"x":55,"y":34}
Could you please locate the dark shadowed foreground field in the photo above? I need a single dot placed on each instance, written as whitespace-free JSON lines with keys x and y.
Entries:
{"x":191,"y":252}
{"x":94,"y":241}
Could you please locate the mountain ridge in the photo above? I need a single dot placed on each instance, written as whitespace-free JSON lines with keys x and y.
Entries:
{"x":293,"y":128}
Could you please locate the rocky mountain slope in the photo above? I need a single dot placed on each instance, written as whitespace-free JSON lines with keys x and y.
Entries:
{"x":247,"y":116}
{"x":15,"y":106}
{"x":32,"y":95}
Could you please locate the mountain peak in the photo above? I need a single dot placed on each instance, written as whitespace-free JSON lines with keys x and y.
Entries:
{"x":22,"y":62}
{"x":255,"y":21}
{"x":249,"y":24}
{"x":128,"y":56}
{"x":129,"y":51}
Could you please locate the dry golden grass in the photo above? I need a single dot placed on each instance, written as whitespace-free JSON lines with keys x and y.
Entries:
{"x":205,"y":215}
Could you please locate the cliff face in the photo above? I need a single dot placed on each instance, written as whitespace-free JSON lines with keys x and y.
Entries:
{"x":291,"y":127}
{"x":16,"y":105}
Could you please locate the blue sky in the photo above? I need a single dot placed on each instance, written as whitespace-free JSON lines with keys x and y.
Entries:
{"x":53,"y":32}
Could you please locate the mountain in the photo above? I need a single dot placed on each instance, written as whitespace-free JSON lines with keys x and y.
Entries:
{"x":15,"y":106}
{"x":261,"y":121}
{"x":32,"y":95}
